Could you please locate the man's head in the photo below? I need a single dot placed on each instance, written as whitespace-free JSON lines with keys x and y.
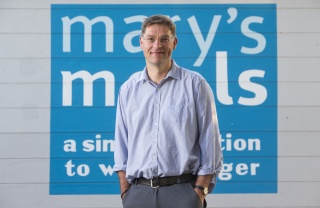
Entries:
{"x":158,"y":40}
{"x":160,"y":20}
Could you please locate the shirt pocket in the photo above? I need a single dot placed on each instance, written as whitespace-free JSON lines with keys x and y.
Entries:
{"x":178,"y":113}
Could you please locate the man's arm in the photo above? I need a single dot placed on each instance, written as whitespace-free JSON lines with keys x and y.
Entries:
{"x":209,"y":140}
{"x":124,"y":184}
{"x":204,"y":181}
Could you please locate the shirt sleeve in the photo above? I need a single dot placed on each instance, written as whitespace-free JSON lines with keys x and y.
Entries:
{"x":209,"y":134}
{"x":121,"y":136}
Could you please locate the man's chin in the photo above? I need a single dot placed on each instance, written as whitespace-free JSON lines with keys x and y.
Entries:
{"x":156,"y":62}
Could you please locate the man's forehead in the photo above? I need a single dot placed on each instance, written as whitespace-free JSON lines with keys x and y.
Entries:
{"x":157,"y":29}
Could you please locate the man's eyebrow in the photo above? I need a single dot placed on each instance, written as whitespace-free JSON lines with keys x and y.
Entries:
{"x":153,"y":36}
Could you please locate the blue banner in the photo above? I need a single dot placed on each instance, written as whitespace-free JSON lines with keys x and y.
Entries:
{"x":95,"y":48}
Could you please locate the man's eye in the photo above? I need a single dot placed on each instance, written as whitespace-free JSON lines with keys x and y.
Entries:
{"x":164,"y":40}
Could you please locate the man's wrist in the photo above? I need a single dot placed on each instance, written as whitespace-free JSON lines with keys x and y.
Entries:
{"x":123,"y":193}
{"x":204,"y":190}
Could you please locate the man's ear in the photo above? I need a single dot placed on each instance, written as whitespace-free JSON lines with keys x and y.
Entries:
{"x":175,"y":42}
{"x":140,"y":40}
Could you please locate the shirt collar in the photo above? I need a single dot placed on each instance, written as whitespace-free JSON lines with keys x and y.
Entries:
{"x":174,"y":72}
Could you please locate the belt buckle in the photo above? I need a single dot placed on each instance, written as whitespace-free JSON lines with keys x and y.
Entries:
{"x":151,"y":183}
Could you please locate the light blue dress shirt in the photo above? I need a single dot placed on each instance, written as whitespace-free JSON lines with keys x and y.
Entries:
{"x":167,"y":129}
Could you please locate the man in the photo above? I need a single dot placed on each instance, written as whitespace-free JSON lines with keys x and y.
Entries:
{"x":167,"y":146}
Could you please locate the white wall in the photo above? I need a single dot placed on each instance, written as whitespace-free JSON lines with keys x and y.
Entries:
{"x":25,"y":108}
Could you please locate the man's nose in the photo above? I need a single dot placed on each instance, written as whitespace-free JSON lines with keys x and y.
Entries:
{"x":157,"y":43}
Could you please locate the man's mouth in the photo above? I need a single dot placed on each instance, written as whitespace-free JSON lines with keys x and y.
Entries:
{"x":157,"y":52}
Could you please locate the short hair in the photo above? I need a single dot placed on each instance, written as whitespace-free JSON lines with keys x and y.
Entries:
{"x":161,"y":20}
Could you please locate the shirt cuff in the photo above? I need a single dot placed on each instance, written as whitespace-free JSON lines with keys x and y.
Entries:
{"x":119,"y":168}
{"x":205,"y":171}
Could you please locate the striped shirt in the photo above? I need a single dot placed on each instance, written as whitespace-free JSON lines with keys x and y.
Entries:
{"x":167,"y":129}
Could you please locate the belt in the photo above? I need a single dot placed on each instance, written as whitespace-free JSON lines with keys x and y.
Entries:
{"x":166,"y":181}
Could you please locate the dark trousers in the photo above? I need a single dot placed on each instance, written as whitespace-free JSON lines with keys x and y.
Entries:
{"x":174,"y":196}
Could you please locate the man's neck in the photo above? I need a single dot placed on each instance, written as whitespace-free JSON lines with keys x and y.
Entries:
{"x":157,"y":73}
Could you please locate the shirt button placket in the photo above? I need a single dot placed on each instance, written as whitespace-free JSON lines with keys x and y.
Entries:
{"x":155,"y":128}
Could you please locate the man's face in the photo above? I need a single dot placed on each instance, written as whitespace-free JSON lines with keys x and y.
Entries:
{"x":157,"y":44}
